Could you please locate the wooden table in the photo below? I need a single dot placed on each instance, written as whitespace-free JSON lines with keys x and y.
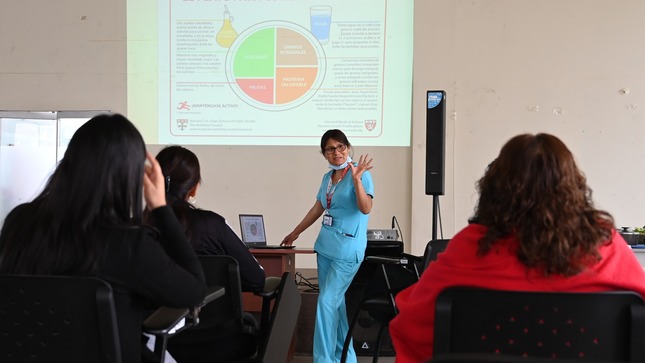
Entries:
{"x":274,"y":262}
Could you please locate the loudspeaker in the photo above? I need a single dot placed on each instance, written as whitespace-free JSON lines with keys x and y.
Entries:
{"x":435,"y":142}
{"x":366,"y":329}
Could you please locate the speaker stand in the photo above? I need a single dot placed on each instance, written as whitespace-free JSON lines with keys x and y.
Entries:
{"x":435,"y":214}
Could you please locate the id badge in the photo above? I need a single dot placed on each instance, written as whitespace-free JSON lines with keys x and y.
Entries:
{"x":328,"y":220}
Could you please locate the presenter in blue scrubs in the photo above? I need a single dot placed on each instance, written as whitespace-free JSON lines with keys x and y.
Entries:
{"x":344,"y":201}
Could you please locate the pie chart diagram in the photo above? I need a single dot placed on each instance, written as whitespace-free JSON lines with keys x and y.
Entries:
{"x":275,"y":66}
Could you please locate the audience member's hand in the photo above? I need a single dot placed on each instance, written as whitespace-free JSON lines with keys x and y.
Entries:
{"x":154,"y":190}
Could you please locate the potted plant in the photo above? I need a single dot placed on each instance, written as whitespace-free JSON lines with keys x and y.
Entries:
{"x":641,"y":234}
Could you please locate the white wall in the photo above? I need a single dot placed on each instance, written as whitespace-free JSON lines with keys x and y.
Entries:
{"x":508,"y":66}
{"x":515,"y":66}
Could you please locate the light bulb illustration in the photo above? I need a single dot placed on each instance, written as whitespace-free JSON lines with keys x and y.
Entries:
{"x":226,"y":34}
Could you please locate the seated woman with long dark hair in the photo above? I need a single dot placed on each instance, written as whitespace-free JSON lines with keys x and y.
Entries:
{"x":208,"y":234}
{"x":88,"y":222}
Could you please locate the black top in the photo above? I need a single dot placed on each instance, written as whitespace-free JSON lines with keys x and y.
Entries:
{"x":144,"y":266}
{"x":211,"y":235}
{"x":148,"y":266}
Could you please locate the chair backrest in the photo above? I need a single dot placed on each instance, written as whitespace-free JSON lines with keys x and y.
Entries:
{"x":603,"y":326}
{"x":433,"y":248}
{"x":282,"y":322}
{"x":389,"y":275}
{"x":389,"y":279}
{"x":222,"y":270}
{"x":57,"y":319}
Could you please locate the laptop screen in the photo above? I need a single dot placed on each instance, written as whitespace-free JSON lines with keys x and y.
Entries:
{"x":252,"y":227}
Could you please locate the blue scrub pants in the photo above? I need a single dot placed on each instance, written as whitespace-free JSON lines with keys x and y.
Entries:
{"x":334,"y":277}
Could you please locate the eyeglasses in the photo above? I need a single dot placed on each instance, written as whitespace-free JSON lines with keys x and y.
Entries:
{"x":332,"y":150}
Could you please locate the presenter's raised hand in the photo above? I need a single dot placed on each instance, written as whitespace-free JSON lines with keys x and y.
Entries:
{"x":154,"y":190}
{"x":364,"y":163}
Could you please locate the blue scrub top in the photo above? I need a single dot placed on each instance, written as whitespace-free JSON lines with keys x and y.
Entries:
{"x":346,"y":238}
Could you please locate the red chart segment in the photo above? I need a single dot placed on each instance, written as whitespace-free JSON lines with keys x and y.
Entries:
{"x":260,"y":90}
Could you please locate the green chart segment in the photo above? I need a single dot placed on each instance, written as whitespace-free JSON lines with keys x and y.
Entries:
{"x":255,"y":57}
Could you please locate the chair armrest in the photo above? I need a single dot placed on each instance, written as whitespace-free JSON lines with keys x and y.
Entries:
{"x":271,"y":285}
{"x":387,"y":259}
{"x":167,"y":320}
{"x":268,"y":294}
{"x":164,"y":320}
{"x":403,"y":261}
{"x":412,"y":258}
{"x":213,"y":293}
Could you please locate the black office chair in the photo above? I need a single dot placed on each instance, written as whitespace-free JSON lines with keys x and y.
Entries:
{"x":390,"y":275}
{"x":501,"y":358}
{"x":57,"y":319}
{"x":433,"y":249}
{"x":166,"y":322}
{"x":282,"y":322}
{"x":68,"y":319}
{"x":225,"y":333}
{"x":605,"y":326}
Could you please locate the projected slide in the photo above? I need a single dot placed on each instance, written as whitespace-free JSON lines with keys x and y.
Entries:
{"x":280,"y":72}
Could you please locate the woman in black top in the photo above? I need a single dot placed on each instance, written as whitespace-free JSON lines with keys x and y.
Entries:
{"x":209,"y":234}
{"x":87,"y":222}
{"x":207,"y":231}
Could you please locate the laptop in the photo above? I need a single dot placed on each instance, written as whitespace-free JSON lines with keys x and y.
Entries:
{"x":253,"y":232}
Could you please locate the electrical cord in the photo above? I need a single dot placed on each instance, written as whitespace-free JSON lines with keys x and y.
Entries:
{"x":303,"y":281}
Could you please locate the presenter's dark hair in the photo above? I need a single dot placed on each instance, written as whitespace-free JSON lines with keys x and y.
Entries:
{"x":97,"y":183}
{"x":334,"y":134}
{"x":181,"y":170}
{"x":535,"y":191}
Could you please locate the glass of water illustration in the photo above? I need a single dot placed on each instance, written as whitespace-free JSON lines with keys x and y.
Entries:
{"x":321,"y":22}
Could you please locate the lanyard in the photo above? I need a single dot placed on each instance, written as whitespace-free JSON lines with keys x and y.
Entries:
{"x":331,"y":188}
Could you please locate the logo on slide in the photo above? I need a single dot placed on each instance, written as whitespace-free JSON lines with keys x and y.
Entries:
{"x":370,"y":124}
{"x":183,"y":106}
{"x":182,"y":123}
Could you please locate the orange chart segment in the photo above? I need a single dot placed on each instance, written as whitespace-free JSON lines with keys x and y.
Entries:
{"x":292,"y":83}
